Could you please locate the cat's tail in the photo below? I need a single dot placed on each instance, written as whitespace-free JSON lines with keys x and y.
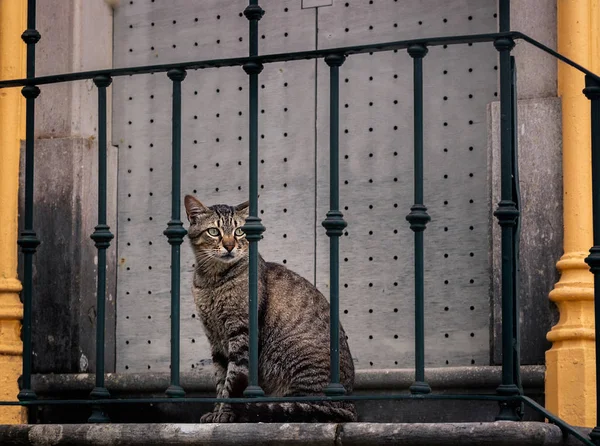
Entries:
{"x":296,"y":412}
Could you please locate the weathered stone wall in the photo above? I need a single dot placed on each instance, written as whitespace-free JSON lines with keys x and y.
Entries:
{"x":200,"y":383}
{"x":76,"y":36}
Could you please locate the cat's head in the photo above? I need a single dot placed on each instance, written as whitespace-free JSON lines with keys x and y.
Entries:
{"x":215,"y":233}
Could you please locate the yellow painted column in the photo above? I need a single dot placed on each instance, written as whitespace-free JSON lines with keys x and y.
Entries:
{"x":570,"y":363}
{"x":12,"y":65}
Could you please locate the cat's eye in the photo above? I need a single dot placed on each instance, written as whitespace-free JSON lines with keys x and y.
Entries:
{"x":239,"y":232}
{"x":214,"y":232}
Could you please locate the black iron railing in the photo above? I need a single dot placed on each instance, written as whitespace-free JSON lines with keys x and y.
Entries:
{"x":509,"y":395}
{"x":418,"y":219}
{"x":175,"y":232}
{"x":253,"y":226}
{"x":102,"y":237}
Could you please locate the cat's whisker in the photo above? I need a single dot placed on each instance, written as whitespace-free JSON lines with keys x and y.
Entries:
{"x":203,"y":260}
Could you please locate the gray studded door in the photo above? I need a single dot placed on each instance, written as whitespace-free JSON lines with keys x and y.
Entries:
{"x":375,"y":168}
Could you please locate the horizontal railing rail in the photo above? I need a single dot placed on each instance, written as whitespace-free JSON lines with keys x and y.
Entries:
{"x":564,"y":427}
{"x":294,"y":56}
{"x":265,"y":399}
{"x":509,"y":393}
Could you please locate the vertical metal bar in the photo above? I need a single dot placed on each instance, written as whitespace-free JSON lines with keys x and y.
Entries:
{"x":28,"y":240}
{"x":31,"y":36}
{"x":504,"y":16}
{"x":334,"y":224}
{"x":102,"y":237}
{"x":592,"y":91}
{"x":418,"y":219}
{"x":507,"y":215}
{"x":516,"y":238}
{"x":175,"y":232}
{"x":253,"y":226}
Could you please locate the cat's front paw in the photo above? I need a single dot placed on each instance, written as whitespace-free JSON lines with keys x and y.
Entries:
{"x":208,"y":417}
{"x":225,"y":416}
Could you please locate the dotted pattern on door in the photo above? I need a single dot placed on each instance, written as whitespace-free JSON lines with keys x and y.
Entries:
{"x":376,"y":185}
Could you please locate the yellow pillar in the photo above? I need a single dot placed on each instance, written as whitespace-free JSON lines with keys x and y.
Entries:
{"x":570,"y":363}
{"x":12,"y":65}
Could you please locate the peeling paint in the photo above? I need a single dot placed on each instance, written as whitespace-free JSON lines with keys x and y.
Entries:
{"x":83,"y":363}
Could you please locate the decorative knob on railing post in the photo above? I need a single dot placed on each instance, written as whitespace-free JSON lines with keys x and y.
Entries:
{"x":418,"y":217}
{"x":30,"y":92}
{"x":504,"y":44}
{"x":28,"y":241}
{"x":417,"y":51}
{"x":254,"y":12}
{"x":335,"y":60}
{"x":507,"y":213}
{"x":175,"y":232}
{"x":102,"y":236}
{"x":253,"y":67}
{"x":253,"y":228}
{"x":334,"y":223}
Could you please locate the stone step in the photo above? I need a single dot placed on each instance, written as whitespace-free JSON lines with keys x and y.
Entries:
{"x":505,"y":433}
{"x":447,"y":380}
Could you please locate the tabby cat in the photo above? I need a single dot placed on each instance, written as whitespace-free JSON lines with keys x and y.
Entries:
{"x":293,"y":325}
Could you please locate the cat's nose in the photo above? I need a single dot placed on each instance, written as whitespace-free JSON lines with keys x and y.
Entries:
{"x":228,"y":245}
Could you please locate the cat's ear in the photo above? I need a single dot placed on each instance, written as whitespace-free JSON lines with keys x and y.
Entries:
{"x":193,"y":208}
{"x":243,"y":208}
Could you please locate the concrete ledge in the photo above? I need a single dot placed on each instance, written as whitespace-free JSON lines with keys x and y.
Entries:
{"x":365,"y":434}
{"x":202,"y":380}
{"x":428,"y":434}
{"x":444,"y":380}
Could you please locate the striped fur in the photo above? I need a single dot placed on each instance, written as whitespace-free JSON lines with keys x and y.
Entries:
{"x":293,"y":325}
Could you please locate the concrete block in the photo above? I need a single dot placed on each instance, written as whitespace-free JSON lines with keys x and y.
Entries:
{"x":76,"y":36}
{"x":65,"y":265}
{"x":537,"y":71}
{"x":540,"y":171}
